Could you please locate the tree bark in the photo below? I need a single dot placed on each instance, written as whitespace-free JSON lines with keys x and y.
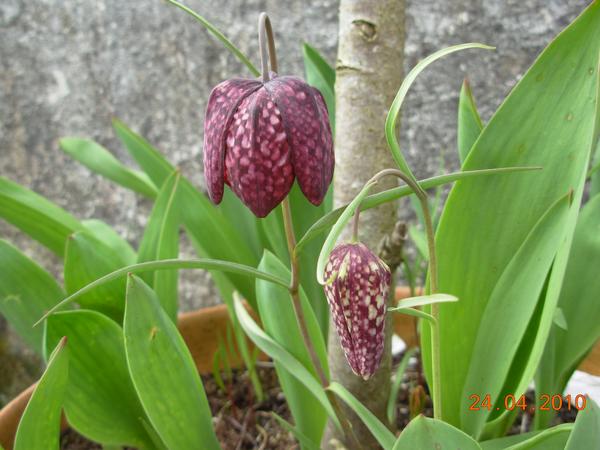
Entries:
{"x":368,"y":75}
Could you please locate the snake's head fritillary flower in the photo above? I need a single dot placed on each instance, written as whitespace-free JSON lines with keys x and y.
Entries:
{"x":357,"y":286}
{"x":260,"y":136}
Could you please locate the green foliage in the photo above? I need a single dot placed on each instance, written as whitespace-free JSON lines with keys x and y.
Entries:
{"x":164,"y":373}
{"x":161,"y":241}
{"x":469,"y":123}
{"x":34,"y":215}
{"x":431,"y":434}
{"x":532,"y":127}
{"x":86,"y":260}
{"x":380,"y":432}
{"x":279,"y":321}
{"x":397,"y":383}
{"x":586,"y":432}
{"x":579,"y":304}
{"x":272,"y":348}
{"x":26,"y":292}
{"x":320,"y":75}
{"x":39,"y":426}
{"x":99,"y":160}
{"x":100,"y":401}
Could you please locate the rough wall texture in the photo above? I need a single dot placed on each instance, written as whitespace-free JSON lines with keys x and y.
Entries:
{"x":68,"y":67}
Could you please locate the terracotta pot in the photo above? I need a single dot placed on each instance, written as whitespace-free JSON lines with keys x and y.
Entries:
{"x":201,"y":330}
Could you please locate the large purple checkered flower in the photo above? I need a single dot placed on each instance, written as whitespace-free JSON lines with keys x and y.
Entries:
{"x":357,"y":283}
{"x":259,"y":136}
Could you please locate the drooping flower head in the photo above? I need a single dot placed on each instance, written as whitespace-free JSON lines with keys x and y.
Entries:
{"x":260,"y":136}
{"x":357,"y":285}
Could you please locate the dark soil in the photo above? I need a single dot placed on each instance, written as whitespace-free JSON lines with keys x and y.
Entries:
{"x":243,"y":423}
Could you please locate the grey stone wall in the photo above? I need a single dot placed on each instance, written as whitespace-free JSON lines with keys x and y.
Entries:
{"x":67,"y":67}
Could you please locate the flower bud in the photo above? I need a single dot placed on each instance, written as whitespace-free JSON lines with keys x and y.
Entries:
{"x":357,"y":286}
{"x":260,"y":136}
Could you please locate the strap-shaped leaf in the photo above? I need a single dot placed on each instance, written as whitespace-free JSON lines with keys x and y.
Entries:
{"x":164,"y":373}
{"x":513,"y":301}
{"x":36,"y":216}
{"x":101,"y":161}
{"x":39,"y":428}
{"x":86,"y":260}
{"x":109,"y":237}
{"x":412,"y":302}
{"x":280,"y":354}
{"x":425,"y":433}
{"x":279,"y":321}
{"x":586,"y":433}
{"x":304,"y":440}
{"x":469,"y":123}
{"x":554,"y":438}
{"x":373,"y":200}
{"x":26,"y":292}
{"x":548,"y":111}
{"x":380,"y":432}
{"x":101,"y":402}
{"x":161,"y":241}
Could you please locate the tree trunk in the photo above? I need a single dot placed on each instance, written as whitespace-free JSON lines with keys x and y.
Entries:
{"x":368,"y":74}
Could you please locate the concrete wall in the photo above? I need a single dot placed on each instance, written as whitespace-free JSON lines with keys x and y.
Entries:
{"x":68,"y":67}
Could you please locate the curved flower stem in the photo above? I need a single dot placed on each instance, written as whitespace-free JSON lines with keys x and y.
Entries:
{"x":265,"y":37}
{"x":433,"y":278}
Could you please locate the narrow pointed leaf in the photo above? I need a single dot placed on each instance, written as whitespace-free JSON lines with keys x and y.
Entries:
{"x":39,"y":428}
{"x":37,"y":217}
{"x":397,"y":383}
{"x":161,"y":241}
{"x":26,"y":292}
{"x":164,"y":373}
{"x":373,"y":200}
{"x":109,"y":237}
{"x":168,"y":264}
{"x":280,"y":354}
{"x":86,"y":260}
{"x":101,"y":161}
{"x":469,"y":123}
{"x":513,"y":300}
{"x":586,"y":432}
{"x":304,"y":440}
{"x":393,"y":114}
{"x":421,"y":300}
{"x":100,"y":402}
{"x":279,"y":321}
{"x":553,"y":438}
{"x":378,"y":430}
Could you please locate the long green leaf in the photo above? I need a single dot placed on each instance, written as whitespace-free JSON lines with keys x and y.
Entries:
{"x":513,"y":300}
{"x":164,"y":373}
{"x":86,"y":260}
{"x":547,"y":120}
{"x":101,"y":161}
{"x":373,"y":200}
{"x":39,"y":428}
{"x":26,"y":292}
{"x":552,"y":439}
{"x":161,"y":241}
{"x":422,"y":300}
{"x":320,"y":75}
{"x":169,"y":264}
{"x":220,"y":36}
{"x":397,"y":383}
{"x":424,"y":433}
{"x":579,"y":303}
{"x":378,"y":430}
{"x":586,"y":433}
{"x":304,"y":440}
{"x":469,"y":123}
{"x":393,"y":114}
{"x":41,"y":219}
{"x":279,"y":321}
{"x":109,"y":237}
{"x":281,"y":355}
{"x":100,"y":402}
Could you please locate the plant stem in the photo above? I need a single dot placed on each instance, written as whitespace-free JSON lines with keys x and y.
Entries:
{"x":433,"y":280}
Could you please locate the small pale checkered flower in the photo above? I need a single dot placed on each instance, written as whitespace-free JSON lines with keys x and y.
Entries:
{"x":357,"y":284}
